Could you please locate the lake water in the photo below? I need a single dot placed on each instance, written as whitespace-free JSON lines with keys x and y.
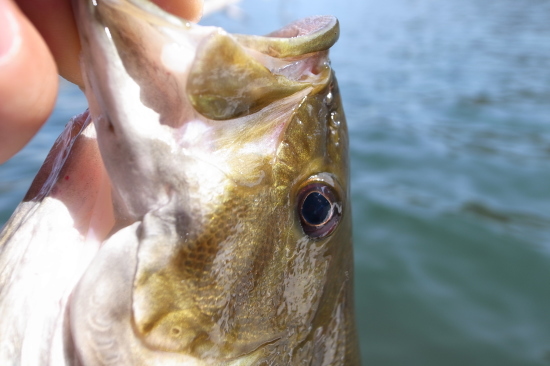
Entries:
{"x":448,"y":104}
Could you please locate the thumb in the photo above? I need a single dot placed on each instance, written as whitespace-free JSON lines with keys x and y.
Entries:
{"x":28,"y":80}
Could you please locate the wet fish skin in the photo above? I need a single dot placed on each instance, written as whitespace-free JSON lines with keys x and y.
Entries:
{"x":209,"y":140}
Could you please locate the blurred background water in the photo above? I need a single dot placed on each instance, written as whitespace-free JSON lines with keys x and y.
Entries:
{"x":448,"y":105}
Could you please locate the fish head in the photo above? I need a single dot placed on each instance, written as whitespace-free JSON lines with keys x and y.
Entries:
{"x":228,"y":159}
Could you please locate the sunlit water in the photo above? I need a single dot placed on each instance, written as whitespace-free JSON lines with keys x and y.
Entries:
{"x":448,"y":104}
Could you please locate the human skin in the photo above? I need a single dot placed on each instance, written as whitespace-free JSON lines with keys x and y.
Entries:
{"x":38,"y":41}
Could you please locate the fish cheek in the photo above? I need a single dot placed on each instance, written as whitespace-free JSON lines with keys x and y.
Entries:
{"x":195,"y":303}
{"x":166,"y":309}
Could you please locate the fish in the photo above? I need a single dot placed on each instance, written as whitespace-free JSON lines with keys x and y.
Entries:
{"x":198,"y":213}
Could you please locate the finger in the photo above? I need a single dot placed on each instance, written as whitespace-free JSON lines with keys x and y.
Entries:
{"x":28,"y":80}
{"x":54,"y":20}
{"x":186,"y":9}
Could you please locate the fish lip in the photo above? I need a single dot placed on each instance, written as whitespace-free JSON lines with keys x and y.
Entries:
{"x":301,"y":37}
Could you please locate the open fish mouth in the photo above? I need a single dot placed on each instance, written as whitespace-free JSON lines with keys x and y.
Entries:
{"x":168,"y":71}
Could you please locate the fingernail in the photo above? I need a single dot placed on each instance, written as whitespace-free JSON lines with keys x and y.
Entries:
{"x":8,"y":28}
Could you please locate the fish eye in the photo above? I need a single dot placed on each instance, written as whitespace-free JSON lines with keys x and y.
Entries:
{"x":319,"y":209}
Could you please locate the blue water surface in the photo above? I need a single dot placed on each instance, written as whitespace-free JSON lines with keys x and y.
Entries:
{"x":448,"y":104}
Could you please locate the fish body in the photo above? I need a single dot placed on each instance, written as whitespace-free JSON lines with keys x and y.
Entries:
{"x":198,"y":214}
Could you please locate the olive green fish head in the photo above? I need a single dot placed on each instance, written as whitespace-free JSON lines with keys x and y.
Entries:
{"x":228,"y":157}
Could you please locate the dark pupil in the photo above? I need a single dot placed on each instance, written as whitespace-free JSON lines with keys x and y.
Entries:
{"x":315,"y":208}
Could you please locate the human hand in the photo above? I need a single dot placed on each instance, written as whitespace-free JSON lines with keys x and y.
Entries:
{"x":38,"y":39}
